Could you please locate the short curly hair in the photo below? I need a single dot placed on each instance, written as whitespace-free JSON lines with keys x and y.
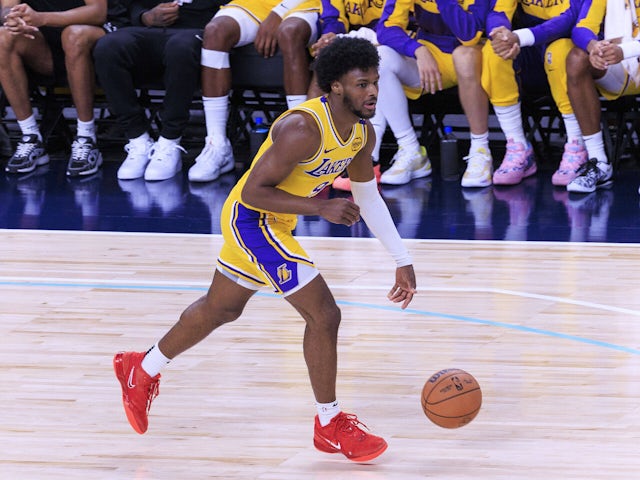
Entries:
{"x":341,"y":56}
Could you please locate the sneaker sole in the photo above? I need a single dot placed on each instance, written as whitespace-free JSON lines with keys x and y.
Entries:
{"x":414,"y":175}
{"x":91,"y":171}
{"x":474,"y":184}
{"x":325,"y":448}
{"x":531,"y":171}
{"x":117,"y":368}
{"x":578,"y":189}
{"x":38,"y":163}
{"x":228,"y":169}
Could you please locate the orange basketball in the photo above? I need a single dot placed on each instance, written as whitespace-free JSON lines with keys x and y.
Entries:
{"x":451,"y":398}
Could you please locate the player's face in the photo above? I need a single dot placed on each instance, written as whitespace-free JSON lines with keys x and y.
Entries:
{"x":361,"y":92}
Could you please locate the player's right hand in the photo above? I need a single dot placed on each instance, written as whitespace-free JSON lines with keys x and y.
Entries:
{"x":162,"y":15}
{"x":340,"y":211}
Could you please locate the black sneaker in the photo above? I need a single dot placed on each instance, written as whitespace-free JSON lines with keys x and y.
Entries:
{"x":85,"y":157}
{"x":591,"y":176}
{"x":29,"y":154}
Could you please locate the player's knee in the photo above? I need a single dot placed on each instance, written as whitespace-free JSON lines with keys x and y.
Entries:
{"x":7,"y":40}
{"x":293,"y":35}
{"x":330,"y":319}
{"x":577,"y":62}
{"x":75,"y":40}
{"x":220,"y":34}
{"x":466,"y":61}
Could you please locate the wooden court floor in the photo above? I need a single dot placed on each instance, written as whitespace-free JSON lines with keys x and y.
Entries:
{"x":550,"y":330}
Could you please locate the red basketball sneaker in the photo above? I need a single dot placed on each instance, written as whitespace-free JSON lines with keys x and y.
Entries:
{"x":138,"y":388}
{"x":344,"y":435}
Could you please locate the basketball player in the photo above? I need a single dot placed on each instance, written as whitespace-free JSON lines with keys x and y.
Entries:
{"x":601,"y":67}
{"x":359,"y":19}
{"x":444,"y":52}
{"x":288,"y":25}
{"x":532,"y":39}
{"x":307,"y":148}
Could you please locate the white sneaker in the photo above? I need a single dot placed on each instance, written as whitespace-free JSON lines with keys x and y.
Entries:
{"x":479,"y":172}
{"x":164,"y":162}
{"x":136,"y":162}
{"x":213,"y":161}
{"x":406,"y":166}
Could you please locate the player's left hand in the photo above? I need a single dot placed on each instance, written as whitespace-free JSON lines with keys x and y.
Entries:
{"x":405,"y":287}
{"x":266,"y":41}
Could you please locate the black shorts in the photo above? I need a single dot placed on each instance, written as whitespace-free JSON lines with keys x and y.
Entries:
{"x":53,"y":37}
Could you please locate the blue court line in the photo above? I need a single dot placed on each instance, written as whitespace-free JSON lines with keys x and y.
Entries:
{"x":395,"y":309}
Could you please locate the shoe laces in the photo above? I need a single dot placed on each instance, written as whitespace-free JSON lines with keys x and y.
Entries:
{"x":477,"y":162}
{"x":159,"y":152}
{"x":80,"y":150}
{"x":349,"y":424}
{"x":588,"y":172}
{"x":154,"y":390}
{"x":25,"y":147}
{"x":137,"y":148}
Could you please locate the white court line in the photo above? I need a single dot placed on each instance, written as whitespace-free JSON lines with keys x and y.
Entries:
{"x":123,"y":283}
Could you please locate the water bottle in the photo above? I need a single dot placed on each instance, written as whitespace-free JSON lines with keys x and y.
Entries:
{"x":449,"y":160}
{"x":257,"y":136}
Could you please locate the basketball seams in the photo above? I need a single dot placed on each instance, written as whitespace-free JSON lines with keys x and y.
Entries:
{"x":453,"y":398}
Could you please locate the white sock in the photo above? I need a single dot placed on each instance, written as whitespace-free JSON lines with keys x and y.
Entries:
{"x":595,"y":147}
{"x":408,"y":140}
{"x":479,"y":141}
{"x":216,"y":112}
{"x":29,"y":126}
{"x":154,"y":361}
{"x":86,"y":129}
{"x":510,"y":119}
{"x":572,"y":127}
{"x":295,"y":100}
{"x":326,"y":411}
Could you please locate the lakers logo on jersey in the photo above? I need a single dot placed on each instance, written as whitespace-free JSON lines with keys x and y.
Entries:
{"x":329,"y":167}
{"x":284,"y":274}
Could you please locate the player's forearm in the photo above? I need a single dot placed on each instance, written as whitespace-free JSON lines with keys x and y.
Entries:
{"x":275,"y":200}
{"x":85,"y":15}
{"x":377,"y":217}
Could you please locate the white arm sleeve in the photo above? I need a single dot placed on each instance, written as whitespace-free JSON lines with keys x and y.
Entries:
{"x":284,"y":6}
{"x":376,"y":214}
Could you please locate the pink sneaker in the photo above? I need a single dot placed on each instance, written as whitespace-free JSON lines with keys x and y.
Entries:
{"x":574,"y":156}
{"x":519,"y":162}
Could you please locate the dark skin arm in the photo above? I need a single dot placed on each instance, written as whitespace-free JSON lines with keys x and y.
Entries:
{"x":162,"y":15}
{"x":266,"y":41}
{"x":295,"y":137}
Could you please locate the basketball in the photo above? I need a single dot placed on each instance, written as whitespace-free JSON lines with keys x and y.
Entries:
{"x":451,"y":398}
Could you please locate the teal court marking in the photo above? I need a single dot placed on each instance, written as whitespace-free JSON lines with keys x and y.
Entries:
{"x":390,"y":308}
